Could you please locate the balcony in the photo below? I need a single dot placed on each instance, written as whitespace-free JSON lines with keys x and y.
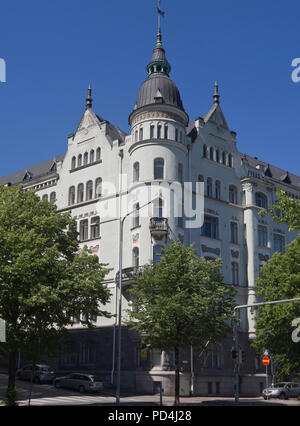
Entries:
{"x":128,"y":273}
{"x":158,"y":227}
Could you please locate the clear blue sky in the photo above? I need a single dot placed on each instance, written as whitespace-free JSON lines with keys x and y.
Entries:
{"x":55,"y":49}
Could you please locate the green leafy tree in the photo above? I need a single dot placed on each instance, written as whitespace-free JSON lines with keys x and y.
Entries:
{"x":181,"y":302}
{"x":44,"y":280}
{"x":279,"y":280}
{"x":285,"y":210}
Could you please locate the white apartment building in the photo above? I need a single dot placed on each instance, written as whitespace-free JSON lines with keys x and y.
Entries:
{"x":164,"y":147}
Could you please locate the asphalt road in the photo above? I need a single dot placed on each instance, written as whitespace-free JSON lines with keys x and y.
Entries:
{"x":48,"y":395}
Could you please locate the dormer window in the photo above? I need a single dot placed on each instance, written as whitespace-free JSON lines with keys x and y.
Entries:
{"x":27,"y":176}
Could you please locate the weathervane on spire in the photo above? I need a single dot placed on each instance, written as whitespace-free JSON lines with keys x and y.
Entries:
{"x":160,"y":13}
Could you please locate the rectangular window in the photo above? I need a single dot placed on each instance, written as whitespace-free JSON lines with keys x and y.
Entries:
{"x":262,"y":236}
{"x":95,"y":227}
{"x":235,"y":273}
{"x":84,"y":230}
{"x":158,"y":132}
{"x":166,"y":132}
{"x":151,"y":132}
{"x":279,"y":243}
{"x":141,"y":134}
{"x":234,"y":232}
{"x":210,"y":227}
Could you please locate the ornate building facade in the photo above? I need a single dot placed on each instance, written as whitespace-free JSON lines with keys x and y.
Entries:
{"x":103,"y":165}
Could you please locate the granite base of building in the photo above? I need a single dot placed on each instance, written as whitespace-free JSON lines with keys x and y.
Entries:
{"x":143,"y":369}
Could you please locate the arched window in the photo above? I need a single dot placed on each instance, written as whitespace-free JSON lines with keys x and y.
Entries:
{"x":92,"y":156}
{"x":45,"y":197}
{"x":53,"y":197}
{"x":158,"y":168}
{"x":204,"y":151}
{"x":230,"y":161}
{"x":98,"y":187}
{"x":211,"y":153}
{"x":217,"y":156}
{"x":232,"y":194}
{"x":71,"y":196}
{"x":200,"y":178}
{"x":80,"y":193}
{"x":209,"y":187}
{"x":79,"y":162}
{"x":135,"y":257}
{"x":73,"y":163}
{"x":89,"y":190}
{"x":136,"y":172}
{"x":98,"y":154}
{"x":85,"y":158}
{"x":261,"y":200}
{"x":218,"y":190}
{"x":157,"y":252}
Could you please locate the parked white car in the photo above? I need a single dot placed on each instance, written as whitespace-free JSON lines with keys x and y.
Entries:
{"x":79,"y":381}
{"x":282,"y":390}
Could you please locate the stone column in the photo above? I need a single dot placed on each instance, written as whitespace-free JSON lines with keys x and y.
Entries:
{"x":251,"y":241}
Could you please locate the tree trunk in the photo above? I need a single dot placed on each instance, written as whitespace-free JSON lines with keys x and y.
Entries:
{"x":177,"y":377}
{"x":11,"y":395}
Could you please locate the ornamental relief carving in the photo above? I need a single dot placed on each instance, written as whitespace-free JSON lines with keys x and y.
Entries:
{"x":207,"y":249}
{"x":235,"y":254}
{"x":249,"y":187}
{"x":155,"y":114}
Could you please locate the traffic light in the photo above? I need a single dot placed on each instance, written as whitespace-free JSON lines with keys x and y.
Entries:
{"x":234,"y":353}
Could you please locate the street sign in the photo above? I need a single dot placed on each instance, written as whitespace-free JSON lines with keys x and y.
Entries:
{"x":266,"y":360}
{"x":266,"y":352}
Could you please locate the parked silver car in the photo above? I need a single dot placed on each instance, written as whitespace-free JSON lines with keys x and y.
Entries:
{"x":79,"y":381}
{"x":42,"y":373}
{"x":282,"y":390}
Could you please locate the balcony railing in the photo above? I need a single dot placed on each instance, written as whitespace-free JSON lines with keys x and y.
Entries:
{"x":129,"y":273}
{"x":159,"y":227}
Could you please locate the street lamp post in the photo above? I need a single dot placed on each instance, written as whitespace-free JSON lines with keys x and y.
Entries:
{"x":122,"y":220}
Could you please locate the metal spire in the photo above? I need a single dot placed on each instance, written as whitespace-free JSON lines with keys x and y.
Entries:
{"x":89,"y":100}
{"x":160,"y":13}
